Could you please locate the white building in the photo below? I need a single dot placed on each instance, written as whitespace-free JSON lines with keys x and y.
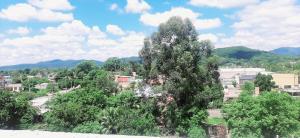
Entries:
{"x":14,"y":87}
{"x":239,"y":75}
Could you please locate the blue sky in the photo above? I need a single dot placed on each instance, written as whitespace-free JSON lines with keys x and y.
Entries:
{"x":39,"y":30}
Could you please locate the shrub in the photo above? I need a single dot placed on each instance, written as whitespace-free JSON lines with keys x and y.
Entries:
{"x":90,"y":127}
{"x":196,"y":132}
{"x":15,"y":112}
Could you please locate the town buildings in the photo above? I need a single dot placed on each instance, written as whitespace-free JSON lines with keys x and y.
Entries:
{"x":238,"y":76}
{"x":5,"y":80}
{"x":286,"y":80}
{"x":125,"y":81}
{"x":14,"y":87}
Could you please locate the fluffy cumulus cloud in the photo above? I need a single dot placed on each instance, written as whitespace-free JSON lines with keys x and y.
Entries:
{"x":114,"y":29}
{"x":161,"y":17}
{"x":19,"y":31}
{"x":52,"y":4}
{"x":267,"y":25}
{"x":40,"y":10}
{"x":72,"y":40}
{"x":137,"y":6}
{"x":223,"y":3}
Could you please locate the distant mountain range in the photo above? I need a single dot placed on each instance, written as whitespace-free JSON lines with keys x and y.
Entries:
{"x":290,"y":51}
{"x":57,"y":63}
{"x":52,"y":64}
{"x":228,"y":53}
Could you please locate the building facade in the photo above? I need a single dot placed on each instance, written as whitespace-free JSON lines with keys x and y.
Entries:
{"x":285,"y":80}
{"x":239,"y":76}
{"x":14,"y":87}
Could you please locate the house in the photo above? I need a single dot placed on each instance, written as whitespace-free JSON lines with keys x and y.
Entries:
{"x":285,"y":80}
{"x":5,"y":80}
{"x":125,"y":81}
{"x":14,"y":87}
{"x":41,"y":86}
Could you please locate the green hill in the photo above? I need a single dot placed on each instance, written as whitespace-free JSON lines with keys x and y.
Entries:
{"x":240,"y":52}
{"x":245,"y":57}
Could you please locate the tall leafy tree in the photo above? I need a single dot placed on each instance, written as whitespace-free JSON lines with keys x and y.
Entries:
{"x":113,"y":64}
{"x":146,"y":54}
{"x":185,"y":65}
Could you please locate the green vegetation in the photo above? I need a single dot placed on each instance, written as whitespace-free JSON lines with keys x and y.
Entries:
{"x":246,"y":57}
{"x":264,"y":82}
{"x":216,"y":121}
{"x":267,"y":115}
{"x":182,"y":71}
{"x":189,"y":71}
{"x":15,"y":111}
{"x":196,"y":132}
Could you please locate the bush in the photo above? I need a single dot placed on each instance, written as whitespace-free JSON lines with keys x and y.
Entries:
{"x":90,"y":127}
{"x":196,"y":132}
{"x":267,"y":115}
{"x":15,"y":112}
{"x":69,"y":110}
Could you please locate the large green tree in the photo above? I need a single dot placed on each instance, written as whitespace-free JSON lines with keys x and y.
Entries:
{"x":187,"y":67}
{"x":113,"y":64}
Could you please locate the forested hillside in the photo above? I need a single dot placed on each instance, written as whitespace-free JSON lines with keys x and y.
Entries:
{"x":245,"y":57}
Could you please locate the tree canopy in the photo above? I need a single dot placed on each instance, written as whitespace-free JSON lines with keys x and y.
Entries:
{"x":188,"y":68}
{"x":264,"y":82}
{"x":267,"y":115}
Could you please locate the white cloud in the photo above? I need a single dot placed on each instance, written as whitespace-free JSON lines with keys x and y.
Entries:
{"x":23,"y":12}
{"x":19,"y":31}
{"x":223,"y":3}
{"x":52,"y":4}
{"x":158,"y":18}
{"x":268,"y":25}
{"x":114,"y":6}
{"x":72,"y":40}
{"x":114,"y":29}
{"x":137,"y":6}
{"x":212,"y":37}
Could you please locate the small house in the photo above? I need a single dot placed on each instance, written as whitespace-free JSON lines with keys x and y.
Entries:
{"x":14,"y":87}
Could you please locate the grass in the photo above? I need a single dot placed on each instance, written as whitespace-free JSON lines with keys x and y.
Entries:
{"x":216,"y":121}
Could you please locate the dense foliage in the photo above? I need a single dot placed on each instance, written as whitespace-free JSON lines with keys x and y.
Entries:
{"x":183,"y":74}
{"x":240,"y":56}
{"x":188,"y":69}
{"x":267,"y":115}
{"x":15,"y":111}
{"x":264,"y":82}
